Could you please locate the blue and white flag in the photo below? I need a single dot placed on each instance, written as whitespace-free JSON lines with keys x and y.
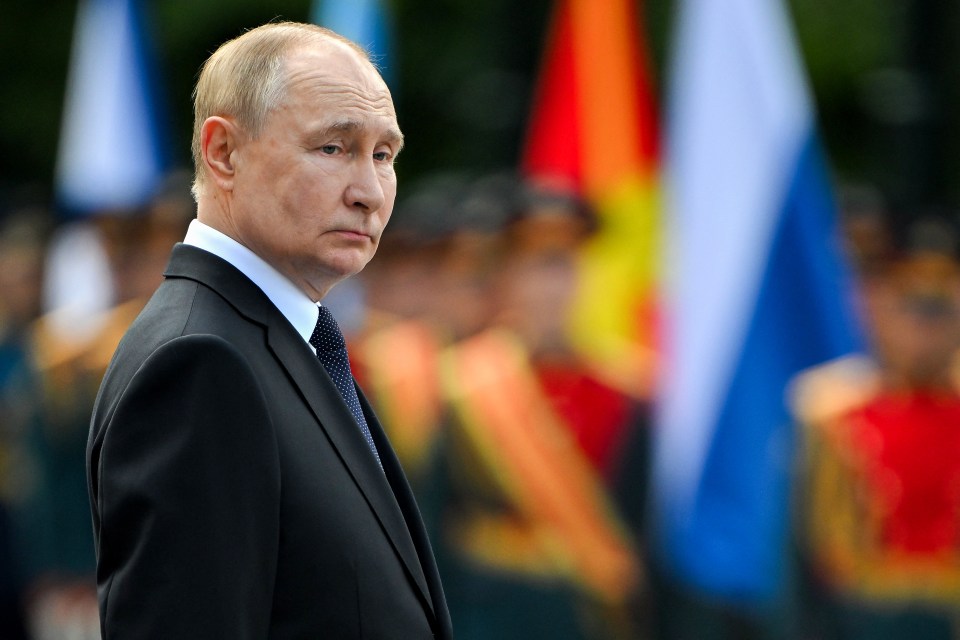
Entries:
{"x":366,"y":22}
{"x":111,"y":153}
{"x":756,"y":291}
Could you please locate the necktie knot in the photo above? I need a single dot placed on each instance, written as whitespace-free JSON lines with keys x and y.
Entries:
{"x":326,"y":334}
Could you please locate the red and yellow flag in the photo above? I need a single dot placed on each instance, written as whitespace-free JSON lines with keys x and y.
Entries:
{"x":593,"y":127}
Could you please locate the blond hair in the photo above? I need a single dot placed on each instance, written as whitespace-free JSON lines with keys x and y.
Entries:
{"x":245,"y":79}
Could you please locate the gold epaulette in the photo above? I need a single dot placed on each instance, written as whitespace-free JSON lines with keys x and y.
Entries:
{"x":633,"y":372}
{"x":55,"y":352}
{"x":831,"y":390}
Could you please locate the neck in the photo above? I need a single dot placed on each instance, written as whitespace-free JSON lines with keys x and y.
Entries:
{"x":214,"y":211}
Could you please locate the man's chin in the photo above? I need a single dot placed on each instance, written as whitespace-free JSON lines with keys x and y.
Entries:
{"x":348,"y":266}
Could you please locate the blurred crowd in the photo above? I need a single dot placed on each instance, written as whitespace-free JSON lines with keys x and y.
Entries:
{"x":530,"y":462}
{"x":70,"y":288}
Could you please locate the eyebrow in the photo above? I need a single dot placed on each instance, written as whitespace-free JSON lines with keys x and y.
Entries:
{"x":393,"y":134}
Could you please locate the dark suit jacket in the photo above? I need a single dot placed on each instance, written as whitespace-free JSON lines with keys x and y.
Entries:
{"x":233,"y":494}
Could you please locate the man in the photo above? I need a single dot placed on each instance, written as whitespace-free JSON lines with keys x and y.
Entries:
{"x":237,"y":490}
{"x":879,"y":499}
{"x":529,"y":538}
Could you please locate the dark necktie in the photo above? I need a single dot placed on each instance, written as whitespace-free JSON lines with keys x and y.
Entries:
{"x":332,"y":353}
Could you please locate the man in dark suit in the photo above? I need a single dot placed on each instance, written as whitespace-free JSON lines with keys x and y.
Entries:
{"x":239,"y":490}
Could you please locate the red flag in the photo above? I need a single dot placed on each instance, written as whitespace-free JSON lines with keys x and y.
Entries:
{"x":593,"y":127}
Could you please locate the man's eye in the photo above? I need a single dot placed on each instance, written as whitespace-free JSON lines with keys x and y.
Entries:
{"x":329,"y":149}
{"x":382,"y":156}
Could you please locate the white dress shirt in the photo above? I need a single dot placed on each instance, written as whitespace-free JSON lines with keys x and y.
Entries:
{"x":294,"y":304}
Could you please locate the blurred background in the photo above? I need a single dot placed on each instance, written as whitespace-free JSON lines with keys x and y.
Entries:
{"x":883,"y":74}
{"x":663,"y":328}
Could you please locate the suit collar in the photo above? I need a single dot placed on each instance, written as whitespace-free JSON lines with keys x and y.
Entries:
{"x":308,"y":375}
{"x":229,"y":282}
{"x":293,"y":303}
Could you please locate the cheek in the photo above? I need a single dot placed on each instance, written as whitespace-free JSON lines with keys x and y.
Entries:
{"x":388,"y":184}
{"x":385,"y":212}
{"x":301,"y":205}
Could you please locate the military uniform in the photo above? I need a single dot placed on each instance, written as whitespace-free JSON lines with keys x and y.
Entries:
{"x":879,"y":503}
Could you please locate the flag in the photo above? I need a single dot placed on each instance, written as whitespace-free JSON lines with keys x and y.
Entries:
{"x":111,"y":154}
{"x":366,"y":22}
{"x":756,"y":291}
{"x":592,"y":129}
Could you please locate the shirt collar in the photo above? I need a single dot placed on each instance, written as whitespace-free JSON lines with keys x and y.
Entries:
{"x":294,"y":304}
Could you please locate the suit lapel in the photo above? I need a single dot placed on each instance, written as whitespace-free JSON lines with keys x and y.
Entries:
{"x":320,"y":394}
{"x":411,"y":513}
{"x":335,"y":419}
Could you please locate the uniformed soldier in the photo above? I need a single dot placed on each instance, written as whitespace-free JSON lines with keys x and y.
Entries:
{"x":880,"y":491}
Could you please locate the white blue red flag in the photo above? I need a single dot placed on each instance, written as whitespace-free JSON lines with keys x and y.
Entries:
{"x":755,"y":292}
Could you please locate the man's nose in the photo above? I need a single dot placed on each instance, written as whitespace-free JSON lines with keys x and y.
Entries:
{"x":364,"y":190}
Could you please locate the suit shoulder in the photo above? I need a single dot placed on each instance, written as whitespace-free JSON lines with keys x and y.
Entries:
{"x":183,"y":321}
{"x":182,"y":307}
{"x":203,"y":358}
{"x":200,"y":355}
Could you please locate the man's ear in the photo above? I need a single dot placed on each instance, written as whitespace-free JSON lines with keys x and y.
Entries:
{"x":218,"y":141}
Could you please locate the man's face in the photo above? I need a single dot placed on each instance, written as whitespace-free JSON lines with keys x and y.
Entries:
{"x":314,"y":191}
{"x":915,"y":318}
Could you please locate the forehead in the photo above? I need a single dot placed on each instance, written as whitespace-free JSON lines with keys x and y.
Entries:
{"x":330,"y":78}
